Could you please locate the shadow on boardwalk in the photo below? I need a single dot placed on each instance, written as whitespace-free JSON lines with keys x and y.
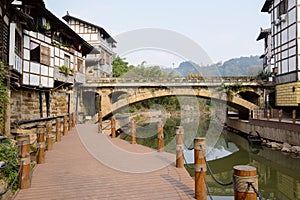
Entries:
{"x":74,"y":172}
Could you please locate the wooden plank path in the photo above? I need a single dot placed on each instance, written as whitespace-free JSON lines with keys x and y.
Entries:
{"x":74,"y":170}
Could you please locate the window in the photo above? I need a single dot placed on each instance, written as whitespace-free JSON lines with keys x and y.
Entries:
{"x":45,"y":55}
{"x":67,"y":61}
{"x":35,"y":52}
{"x":18,"y":44}
{"x":39,"y":53}
{"x":282,"y":8}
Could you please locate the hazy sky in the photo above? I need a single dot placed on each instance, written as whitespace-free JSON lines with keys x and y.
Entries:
{"x":224,"y":29}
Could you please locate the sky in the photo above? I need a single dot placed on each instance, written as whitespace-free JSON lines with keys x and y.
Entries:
{"x":223,"y":29}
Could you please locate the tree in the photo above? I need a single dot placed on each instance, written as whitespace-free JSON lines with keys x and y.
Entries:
{"x":148,"y":72}
{"x":120,"y":67}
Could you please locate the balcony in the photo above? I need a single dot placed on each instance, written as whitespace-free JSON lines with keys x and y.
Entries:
{"x":61,"y":76}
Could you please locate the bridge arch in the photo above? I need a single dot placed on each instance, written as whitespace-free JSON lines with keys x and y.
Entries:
{"x":138,"y":96}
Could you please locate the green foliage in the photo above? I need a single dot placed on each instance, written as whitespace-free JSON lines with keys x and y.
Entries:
{"x":137,"y":117}
{"x":65,"y":69}
{"x":147,"y":72}
{"x":8,"y":154}
{"x":229,"y":89}
{"x":120,"y":67}
{"x":4,"y":99}
{"x":264,"y":75}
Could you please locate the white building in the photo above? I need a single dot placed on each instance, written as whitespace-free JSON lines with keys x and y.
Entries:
{"x":285,"y":24}
{"x":99,"y":61}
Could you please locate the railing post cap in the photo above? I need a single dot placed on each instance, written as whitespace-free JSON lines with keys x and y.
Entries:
{"x":244,"y":170}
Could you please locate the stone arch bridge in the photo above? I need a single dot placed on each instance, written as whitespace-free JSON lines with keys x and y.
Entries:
{"x":112,"y":94}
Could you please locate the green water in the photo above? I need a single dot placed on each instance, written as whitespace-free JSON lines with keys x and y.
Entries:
{"x":279,"y":173}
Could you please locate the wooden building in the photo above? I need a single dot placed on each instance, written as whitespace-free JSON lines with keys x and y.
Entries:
{"x":285,"y":32}
{"x":99,"y":61}
{"x":46,"y":59}
{"x":268,"y":60}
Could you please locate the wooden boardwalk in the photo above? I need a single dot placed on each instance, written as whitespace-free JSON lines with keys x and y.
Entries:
{"x":82,"y":167}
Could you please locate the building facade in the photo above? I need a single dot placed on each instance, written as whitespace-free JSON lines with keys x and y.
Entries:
{"x":285,"y":24}
{"x":45,"y":59}
{"x":268,"y":60}
{"x":99,"y":61}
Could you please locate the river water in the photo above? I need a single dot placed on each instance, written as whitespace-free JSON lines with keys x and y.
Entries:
{"x":278,"y":173}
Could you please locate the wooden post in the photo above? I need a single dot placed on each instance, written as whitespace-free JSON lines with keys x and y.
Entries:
{"x":40,"y":159}
{"x":200,"y":168}
{"x":133,"y":131}
{"x":24,"y":161}
{"x":242,"y":176}
{"x":73,"y":120}
{"x":113,"y":127}
{"x":65,"y":130}
{"x":58,"y":130}
{"x":160,"y":137}
{"x":272,"y":113}
{"x":100,"y":121}
{"x":179,"y":147}
{"x":70,"y":122}
{"x":294,"y":116}
{"x":280,"y":115}
{"x":258,"y":114}
{"x":268,"y":114}
{"x":49,"y":136}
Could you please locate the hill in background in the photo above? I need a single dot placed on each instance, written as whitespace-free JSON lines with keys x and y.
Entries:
{"x":243,"y":66}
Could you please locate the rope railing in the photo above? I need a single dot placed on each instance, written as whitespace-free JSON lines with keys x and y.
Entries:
{"x":24,"y":149}
{"x":10,"y":162}
{"x":13,"y":182}
{"x":211,"y":172}
{"x":250,"y":184}
{"x":207,"y":187}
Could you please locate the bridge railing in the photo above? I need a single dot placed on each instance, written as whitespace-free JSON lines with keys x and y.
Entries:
{"x":211,"y":79}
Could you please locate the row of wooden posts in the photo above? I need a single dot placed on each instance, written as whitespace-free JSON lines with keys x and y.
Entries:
{"x":270,"y":115}
{"x":42,"y":146}
{"x":242,"y":175}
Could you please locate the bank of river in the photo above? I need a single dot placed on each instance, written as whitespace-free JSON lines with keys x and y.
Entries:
{"x":279,"y":176}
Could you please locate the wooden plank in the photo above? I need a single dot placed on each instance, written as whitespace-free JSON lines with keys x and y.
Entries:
{"x":72,"y":172}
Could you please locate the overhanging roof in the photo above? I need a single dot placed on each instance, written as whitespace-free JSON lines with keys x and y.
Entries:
{"x":263,"y":33}
{"x":58,"y":25}
{"x":103,"y":31}
{"x":266,"y":6}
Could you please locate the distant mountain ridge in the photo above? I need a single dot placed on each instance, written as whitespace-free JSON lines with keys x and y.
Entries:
{"x":243,"y":66}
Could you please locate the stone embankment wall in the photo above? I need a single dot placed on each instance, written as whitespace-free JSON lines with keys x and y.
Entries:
{"x":283,"y":132}
{"x":25,"y":104}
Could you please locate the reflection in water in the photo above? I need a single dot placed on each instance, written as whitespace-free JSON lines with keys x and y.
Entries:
{"x":279,"y":173}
